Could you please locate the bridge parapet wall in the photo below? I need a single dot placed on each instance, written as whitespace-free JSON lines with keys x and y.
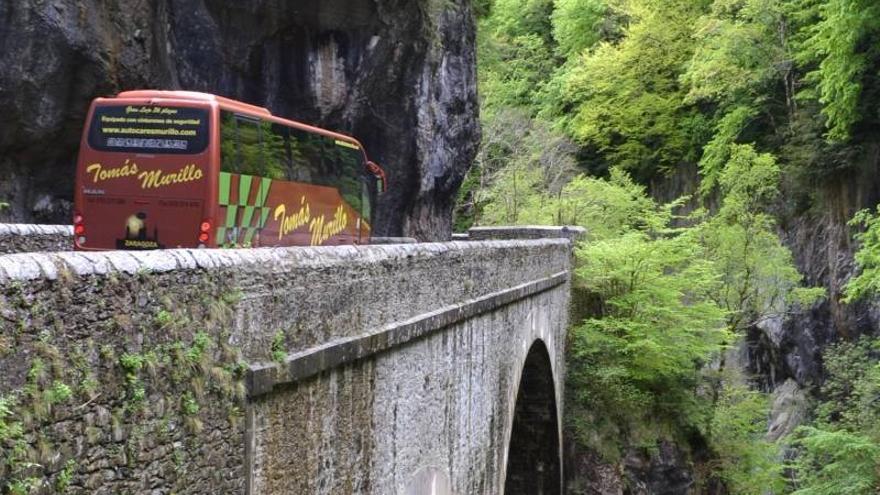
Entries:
{"x":30,"y":238}
{"x":572,"y":233}
{"x":207,"y":371}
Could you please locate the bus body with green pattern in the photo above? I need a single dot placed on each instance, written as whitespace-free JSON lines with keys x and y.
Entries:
{"x":176,"y":169}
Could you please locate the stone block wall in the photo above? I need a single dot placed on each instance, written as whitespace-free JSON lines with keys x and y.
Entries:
{"x":571,"y":233}
{"x":128,"y":372}
{"x":30,"y":238}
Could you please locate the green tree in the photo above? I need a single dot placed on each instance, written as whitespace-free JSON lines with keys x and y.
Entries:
{"x":512,"y":18}
{"x":522,"y":163}
{"x":741,"y":50}
{"x":867,"y":258}
{"x":634,"y":367}
{"x":745,"y":461}
{"x":840,"y":452}
{"x":745,"y":89}
{"x":512,"y":69}
{"x":845,"y":42}
{"x":667,"y":301}
{"x":836,"y":462}
{"x":515,"y":50}
{"x":579,"y":24}
{"x":742,"y":56}
{"x":757,"y":271}
{"x":623,"y":101}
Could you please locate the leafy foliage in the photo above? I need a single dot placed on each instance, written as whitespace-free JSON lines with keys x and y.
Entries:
{"x":652,"y":86}
{"x":512,"y":70}
{"x":845,"y":43}
{"x":746,"y":462}
{"x":759,"y":277}
{"x":837,"y":462}
{"x":640,"y":356}
{"x":669,"y":300}
{"x":626,"y":103}
{"x":840,"y":453}
{"x":580,"y":24}
{"x":753,"y":94}
{"x":867,"y":281}
{"x":524,"y":158}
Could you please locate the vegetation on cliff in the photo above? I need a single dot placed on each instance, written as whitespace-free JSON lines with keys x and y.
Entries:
{"x":840,"y":451}
{"x":595,"y":109}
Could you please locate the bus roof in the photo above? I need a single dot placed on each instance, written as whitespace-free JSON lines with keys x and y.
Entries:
{"x":230,"y":104}
{"x":193,"y":96}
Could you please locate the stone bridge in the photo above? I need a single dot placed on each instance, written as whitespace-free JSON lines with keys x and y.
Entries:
{"x":390,"y":369}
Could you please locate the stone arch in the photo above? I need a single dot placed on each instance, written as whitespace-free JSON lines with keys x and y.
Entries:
{"x":533,"y":454}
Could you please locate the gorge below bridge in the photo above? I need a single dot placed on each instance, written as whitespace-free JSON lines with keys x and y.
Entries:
{"x":388,"y":369}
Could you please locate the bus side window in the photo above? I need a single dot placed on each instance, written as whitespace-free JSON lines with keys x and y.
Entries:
{"x":228,"y":142}
{"x":251,"y":146}
{"x":306,"y":153}
{"x":249,"y":152}
{"x":277,"y":144}
{"x":346,"y":165}
{"x":366,"y":200}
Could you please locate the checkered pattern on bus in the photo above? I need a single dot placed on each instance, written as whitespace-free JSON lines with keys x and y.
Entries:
{"x":243,"y":208}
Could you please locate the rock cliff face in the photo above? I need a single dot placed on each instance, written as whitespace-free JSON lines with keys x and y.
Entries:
{"x":823,"y":248}
{"x":397,"y":74}
{"x":668,"y":471}
{"x":783,"y":355}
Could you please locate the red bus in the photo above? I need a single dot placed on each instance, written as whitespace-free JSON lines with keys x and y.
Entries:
{"x":179,"y":169}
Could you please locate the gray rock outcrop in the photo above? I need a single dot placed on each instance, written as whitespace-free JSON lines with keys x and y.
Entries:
{"x":399,"y":75}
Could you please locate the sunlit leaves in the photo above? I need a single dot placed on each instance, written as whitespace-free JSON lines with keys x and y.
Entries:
{"x":579,"y":24}
{"x":670,"y":299}
{"x":521,"y":163}
{"x":746,"y":461}
{"x":840,"y":453}
{"x":512,"y":18}
{"x":759,"y":276}
{"x":844,"y":42}
{"x":628,"y":104}
{"x":513,"y":69}
{"x":867,"y":281}
{"x":749,"y":181}
{"x":717,"y":151}
{"x":515,"y":53}
{"x":658,"y":324}
{"x":837,"y":463}
{"x":730,"y":62}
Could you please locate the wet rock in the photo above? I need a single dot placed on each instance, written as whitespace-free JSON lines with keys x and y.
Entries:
{"x":823,"y":246}
{"x":816,"y":231}
{"x":587,"y":474}
{"x":790,"y":410}
{"x":665,"y":472}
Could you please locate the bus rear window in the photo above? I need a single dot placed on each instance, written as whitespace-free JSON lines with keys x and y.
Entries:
{"x":149,"y":129}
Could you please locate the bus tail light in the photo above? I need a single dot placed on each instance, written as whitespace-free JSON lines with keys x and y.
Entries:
{"x":79,"y":229}
{"x":204,"y":233}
